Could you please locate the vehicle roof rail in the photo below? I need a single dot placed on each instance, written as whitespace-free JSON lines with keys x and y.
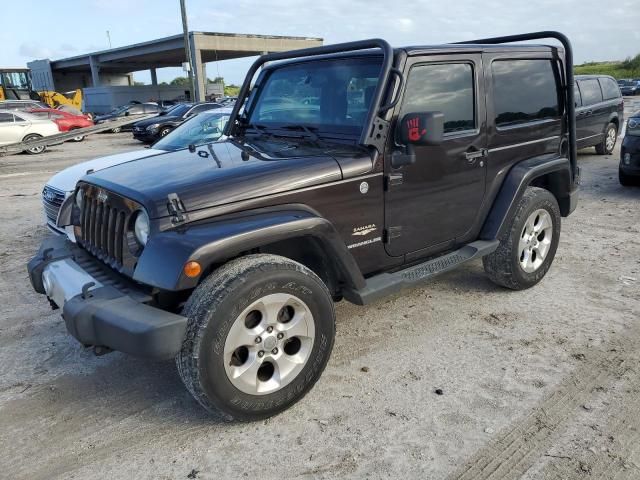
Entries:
{"x":374,"y":43}
{"x":569,"y":97}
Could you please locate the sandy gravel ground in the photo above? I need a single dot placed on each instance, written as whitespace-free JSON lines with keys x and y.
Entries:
{"x":536,"y":384}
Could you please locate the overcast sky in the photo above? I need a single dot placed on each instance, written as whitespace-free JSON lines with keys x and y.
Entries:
{"x":34,"y":29}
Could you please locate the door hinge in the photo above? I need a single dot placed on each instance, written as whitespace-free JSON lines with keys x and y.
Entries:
{"x":392,"y":180}
{"x":391,"y":233}
{"x":176,"y":208}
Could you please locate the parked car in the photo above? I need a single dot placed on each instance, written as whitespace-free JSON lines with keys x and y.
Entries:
{"x":232,"y":254}
{"x":150,"y":129}
{"x":599,"y":112}
{"x":18,"y":126}
{"x":204,"y":128}
{"x":629,"y":170}
{"x":66,"y":121}
{"x":21,"y":105}
{"x":132,"y":110}
{"x":629,"y":87}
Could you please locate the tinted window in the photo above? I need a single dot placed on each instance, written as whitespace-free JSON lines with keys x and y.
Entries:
{"x":6,"y":117}
{"x":136,"y":109}
{"x":447,"y":88}
{"x":577,"y":96}
{"x":609,"y":88}
{"x":202,"y":108}
{"x":591,"y":92}
{"x":524,"y":91}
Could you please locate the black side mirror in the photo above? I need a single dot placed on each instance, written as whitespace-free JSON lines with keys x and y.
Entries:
{"x":425,"y":128}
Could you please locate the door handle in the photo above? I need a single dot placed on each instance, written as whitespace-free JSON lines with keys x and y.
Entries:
{"x":473,"y":155}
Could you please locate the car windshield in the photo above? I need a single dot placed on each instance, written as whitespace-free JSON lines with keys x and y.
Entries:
{"x":328,"y":96}
{"x":178,"y":110}
{"x":118,"y":110}
{"x":201,"y":129}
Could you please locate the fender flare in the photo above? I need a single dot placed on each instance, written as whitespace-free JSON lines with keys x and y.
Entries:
{"x":163,"y":258}
{"x":517,"y":180}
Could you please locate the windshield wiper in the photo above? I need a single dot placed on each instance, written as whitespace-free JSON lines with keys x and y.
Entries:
{"x":308,"y":130}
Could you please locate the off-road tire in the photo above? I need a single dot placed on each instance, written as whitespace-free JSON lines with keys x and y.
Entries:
{"x":503,"y":265}
{"x":626,"y":180}
{"x":212,"y":310}
{"x":602,"y":148}
{"x":33,"y":136}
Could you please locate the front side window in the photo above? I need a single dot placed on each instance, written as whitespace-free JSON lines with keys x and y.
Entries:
{"x":331,"y":96}
{"x":610,"y":89}
{"x":447,"y":88}
{"x":524,"y":91}
{"x":591,"y":92}
{"x":6,"y":117}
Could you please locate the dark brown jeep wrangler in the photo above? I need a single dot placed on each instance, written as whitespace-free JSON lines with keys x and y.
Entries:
{"x":346,"y":171}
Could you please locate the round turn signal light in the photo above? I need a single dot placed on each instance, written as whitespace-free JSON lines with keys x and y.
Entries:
{"x":192,"y":269}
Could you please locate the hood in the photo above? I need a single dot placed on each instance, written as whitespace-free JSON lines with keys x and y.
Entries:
{"x":226,"y":172}
{"x":66,"y":179}
{"x":157,"y":119}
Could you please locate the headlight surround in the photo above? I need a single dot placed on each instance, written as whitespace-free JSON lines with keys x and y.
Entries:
{"x":633,"y":126}
{"x":153,"y":127}
{"x":141,"y":227}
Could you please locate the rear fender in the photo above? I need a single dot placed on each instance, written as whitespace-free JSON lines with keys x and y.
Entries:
{"x":551,"y":173}
{"x":210,"y":244}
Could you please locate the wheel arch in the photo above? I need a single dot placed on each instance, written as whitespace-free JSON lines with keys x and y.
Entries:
{"x":552,"y":174}
{"x":292,"y":231}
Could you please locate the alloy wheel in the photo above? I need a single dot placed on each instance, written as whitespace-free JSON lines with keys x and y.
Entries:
{"x":269,"y":344}
{"x":535,"y":240}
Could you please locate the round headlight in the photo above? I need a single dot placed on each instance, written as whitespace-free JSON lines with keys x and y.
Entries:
{"x":634,"y":123}
{"x":79,"y":199}
{"x":141,"y":227}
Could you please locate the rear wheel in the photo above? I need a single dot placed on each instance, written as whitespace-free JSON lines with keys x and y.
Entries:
{"x":528,"y":246}
{"x":609,"y":141}
{"x":34,"y":150}
{"x":79,"y":138}
{"x":260,"y":332}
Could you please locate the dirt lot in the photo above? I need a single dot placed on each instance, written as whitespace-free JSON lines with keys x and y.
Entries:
{"x":535,"y":384}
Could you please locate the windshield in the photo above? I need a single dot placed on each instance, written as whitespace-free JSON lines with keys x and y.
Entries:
{"x":19,"y":80}
{"x":330,"y":96}
{"x":118,"y":110}
{"x":178,"y":110}
{"x":201,"y":129}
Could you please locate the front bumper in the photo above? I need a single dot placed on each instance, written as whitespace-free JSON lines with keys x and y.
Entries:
{"x":99,"y":306}
{"x":145,"y":136}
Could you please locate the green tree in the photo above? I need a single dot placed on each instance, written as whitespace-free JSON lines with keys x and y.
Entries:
{"x":180,"y":82}
{"x":231,"y":90}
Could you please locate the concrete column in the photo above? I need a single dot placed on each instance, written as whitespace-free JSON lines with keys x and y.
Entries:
{"x":95,"y":71}
{"x":198,"y":74}
{"x":154,"y":76}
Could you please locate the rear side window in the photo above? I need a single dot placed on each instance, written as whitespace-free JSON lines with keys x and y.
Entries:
{"x":524,"y":91}
{"x":442,"y":87}
{"x":590,"y":90}
{"x":609,"y":88}
{"x":151,"y":109}
{"x":576,"y":94}
{"x":6,"y":117}
{"x":136,"y":110}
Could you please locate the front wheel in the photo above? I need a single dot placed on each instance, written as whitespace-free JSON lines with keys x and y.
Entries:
{"x":528,"y":246}
{"x":79,"y":138}
{"x":34,"y":150}
{"x":260,"y":332}
{"x":116,"y":130}
{"x":609,"y":141}
{"x":165,"y":131}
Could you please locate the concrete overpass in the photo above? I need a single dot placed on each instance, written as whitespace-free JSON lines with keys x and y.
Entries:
{"x":113,"y":67}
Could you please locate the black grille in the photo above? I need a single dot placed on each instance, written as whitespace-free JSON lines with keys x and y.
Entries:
{"x":104,"y":221}
{"x":52,"y":199}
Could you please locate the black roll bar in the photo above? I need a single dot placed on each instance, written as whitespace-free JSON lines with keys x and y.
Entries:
{"x":374,"y":43}
{"x":571,"y":106}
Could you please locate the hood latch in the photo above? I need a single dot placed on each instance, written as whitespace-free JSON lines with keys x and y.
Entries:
{"x":176,"y":209}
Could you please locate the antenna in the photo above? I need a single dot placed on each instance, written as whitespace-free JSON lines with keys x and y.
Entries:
{"x":109,"y":38}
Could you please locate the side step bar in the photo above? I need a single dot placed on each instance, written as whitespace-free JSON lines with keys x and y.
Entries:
{"x":388,"y":283}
